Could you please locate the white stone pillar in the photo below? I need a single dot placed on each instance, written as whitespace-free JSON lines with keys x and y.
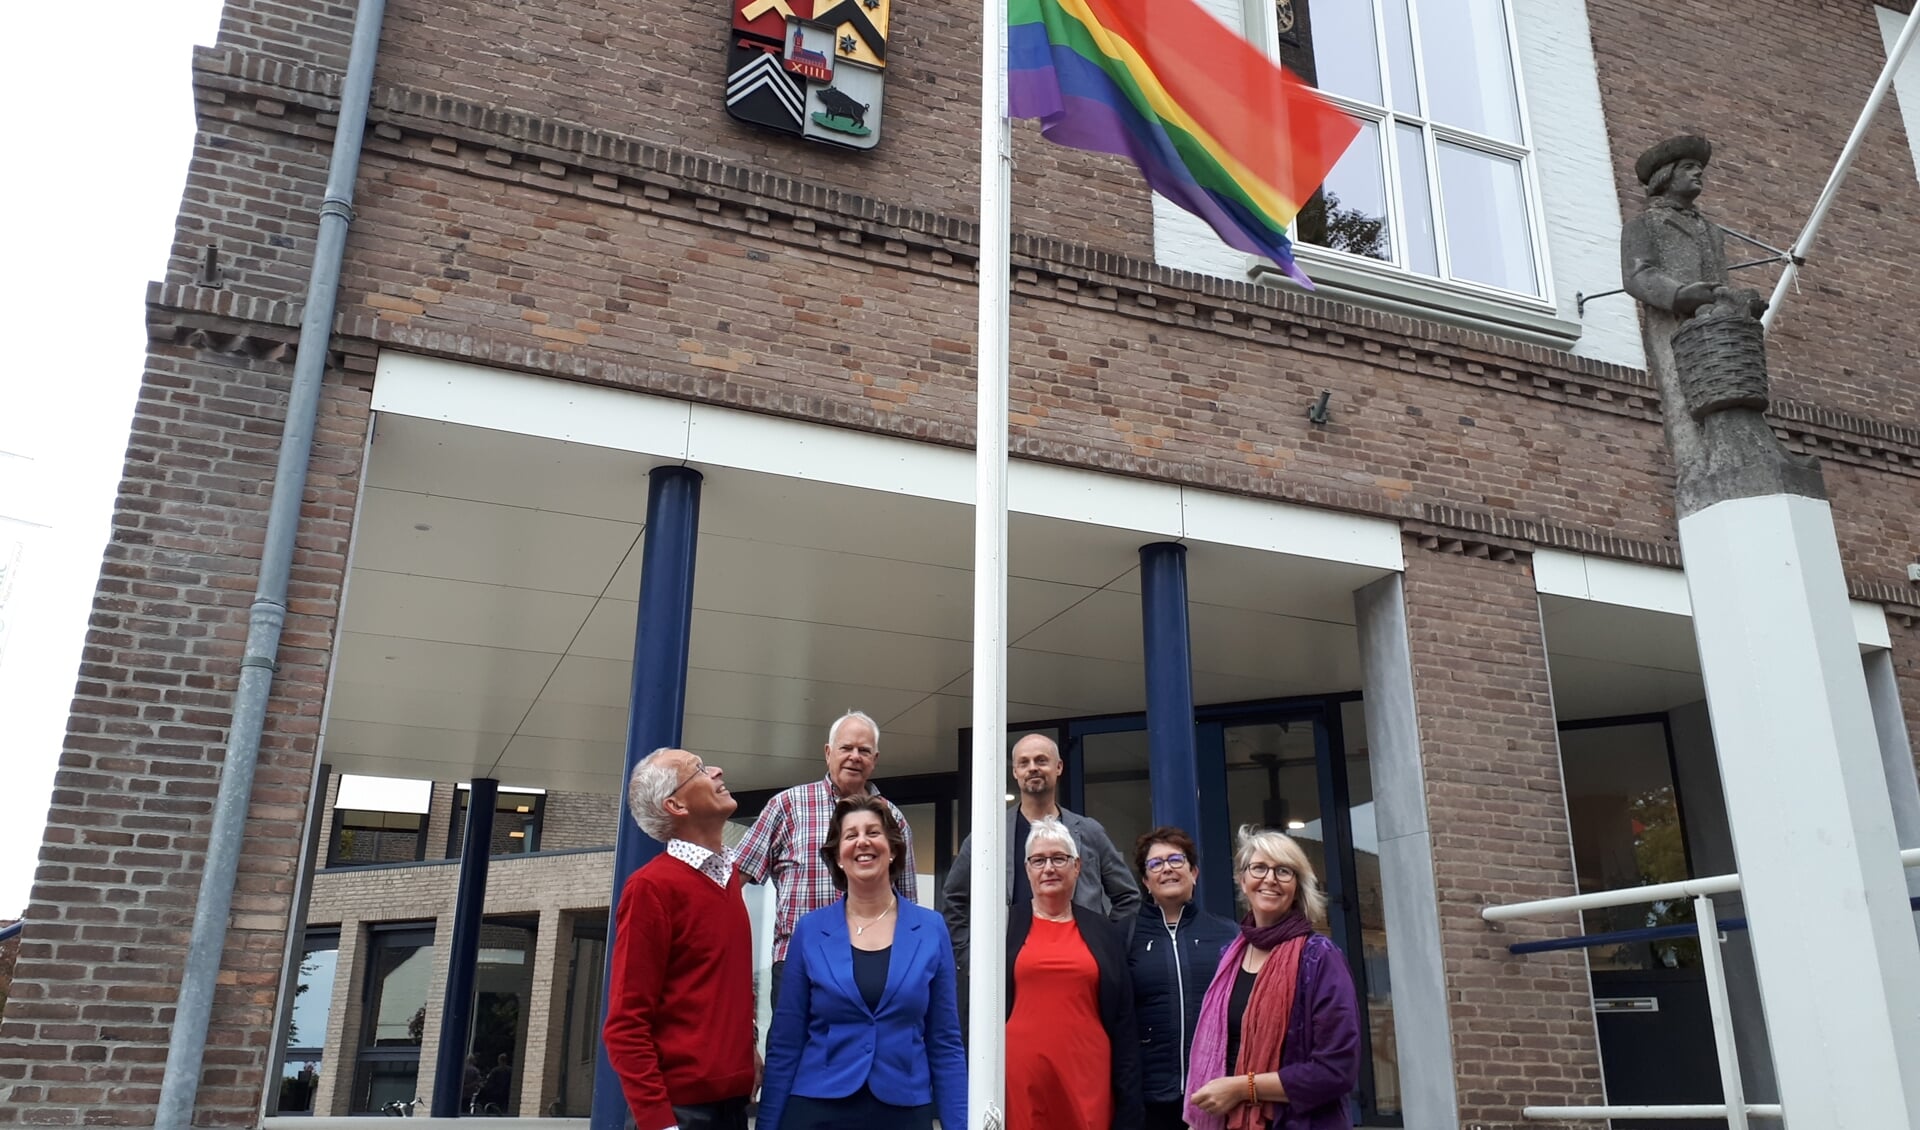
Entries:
{"x":1806,"y":796}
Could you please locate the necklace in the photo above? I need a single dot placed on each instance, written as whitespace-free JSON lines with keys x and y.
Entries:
{"x":1044,"y":916}
{"x":874,"y":921}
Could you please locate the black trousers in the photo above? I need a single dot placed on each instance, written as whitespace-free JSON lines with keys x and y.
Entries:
{"x":1165,"y":1116}
{"x":777,"y":973}
{"x":727,"y":1114}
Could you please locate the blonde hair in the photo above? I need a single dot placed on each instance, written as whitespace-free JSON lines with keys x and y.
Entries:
{"x":1283,"y":849}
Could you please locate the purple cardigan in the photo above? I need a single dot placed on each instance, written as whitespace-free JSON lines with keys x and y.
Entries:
{"x":1320,"y":1062}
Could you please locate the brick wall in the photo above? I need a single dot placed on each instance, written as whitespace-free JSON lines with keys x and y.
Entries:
{"x":1688,"y":67}
{"x":1523,"y":1029}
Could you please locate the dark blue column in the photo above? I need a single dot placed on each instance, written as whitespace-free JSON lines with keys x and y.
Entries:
{"x":463,"y":949}
{"x":1171,"y":757}
{"x":658,"y":702}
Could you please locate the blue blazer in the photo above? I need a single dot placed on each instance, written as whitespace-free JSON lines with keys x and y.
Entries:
{"x":825,"y":1042}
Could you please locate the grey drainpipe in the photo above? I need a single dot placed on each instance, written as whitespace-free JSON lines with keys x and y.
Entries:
{"x":188,"y":1043}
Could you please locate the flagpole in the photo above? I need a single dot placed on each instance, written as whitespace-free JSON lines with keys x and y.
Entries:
{"x":987,"y":932}
{"x":1801,"y":246}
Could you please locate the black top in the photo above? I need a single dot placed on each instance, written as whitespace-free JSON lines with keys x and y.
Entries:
{"x":870,"y":973}
{"x":1022,"y":886}
{"x":1236,"y":1012}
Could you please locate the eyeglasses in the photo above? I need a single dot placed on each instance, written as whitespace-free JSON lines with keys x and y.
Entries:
{"x":1049,"y":862}
{"x":1265,"y":871}
{"x":700,"y":769}
{"x":1172,"y":859}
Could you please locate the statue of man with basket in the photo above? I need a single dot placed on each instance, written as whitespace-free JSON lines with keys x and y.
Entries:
{"x":1705,"y":343}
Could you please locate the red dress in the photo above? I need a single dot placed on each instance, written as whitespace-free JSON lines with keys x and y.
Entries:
{"x":1059,"y":1063}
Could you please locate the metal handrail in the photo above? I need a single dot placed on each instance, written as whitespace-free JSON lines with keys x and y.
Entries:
{"x":8,"y":933}
{"x":1638,"y":934}
{"x":1632,"y":896}
{"x":1735,"y":1109}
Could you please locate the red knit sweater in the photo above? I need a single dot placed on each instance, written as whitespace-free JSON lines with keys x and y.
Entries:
{"x":680,"y":1010}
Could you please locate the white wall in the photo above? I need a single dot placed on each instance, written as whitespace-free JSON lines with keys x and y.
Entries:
{"x":1906,"y":81}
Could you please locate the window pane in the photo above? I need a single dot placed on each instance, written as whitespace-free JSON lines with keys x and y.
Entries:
{"x":313,"y":994}
{"x":1117,"y":794}
{"x":502,"y":1000}
{"x":1626,"y":833}
{"x":1415,"y":201}
{"x":1273,"y":781}
{"x":1406,"y":92}
{"x":1463,"y":44}
{"x":1486,"y":213}
{"x":1349,"y":213}
{"x":299,"y":1081}
{"x":1346,"y":58}
{"x":397,"y":993}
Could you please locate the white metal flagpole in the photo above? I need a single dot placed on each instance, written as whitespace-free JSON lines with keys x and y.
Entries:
{"x":987,"y":932}
{"x":1840,"y":169}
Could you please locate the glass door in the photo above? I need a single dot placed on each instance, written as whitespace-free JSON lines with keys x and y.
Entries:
{"x":393,"y":1018}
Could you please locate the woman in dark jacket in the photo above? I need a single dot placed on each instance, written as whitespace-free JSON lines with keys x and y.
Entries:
{"x":1073,"y":1056}
{"x":1176,"y":948}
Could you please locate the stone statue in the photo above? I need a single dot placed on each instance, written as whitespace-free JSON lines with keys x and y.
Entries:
{"x":1704,"y":341}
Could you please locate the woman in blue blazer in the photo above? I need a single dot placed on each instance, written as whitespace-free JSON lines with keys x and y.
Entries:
{"x":867,"y":1032}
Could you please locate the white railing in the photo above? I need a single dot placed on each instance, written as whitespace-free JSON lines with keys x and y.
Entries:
{"x":1735,"y":1109}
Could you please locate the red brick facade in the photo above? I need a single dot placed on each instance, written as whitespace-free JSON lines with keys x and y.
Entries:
{"x":556,"y":189}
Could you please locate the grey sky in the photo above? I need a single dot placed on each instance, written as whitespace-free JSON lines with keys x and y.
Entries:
{"x":97,"y":156}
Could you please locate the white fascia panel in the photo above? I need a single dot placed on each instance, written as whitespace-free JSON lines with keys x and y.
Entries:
{"x":1629,"y":585}
{"x":1300,"y":531}
{"x":1073,"y":495}
{"x":559,"y":409}
{"x":724,"y":437}
{"x":432,"y":389}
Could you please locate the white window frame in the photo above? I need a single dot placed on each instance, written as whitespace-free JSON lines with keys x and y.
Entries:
{"x":1260,"y":13}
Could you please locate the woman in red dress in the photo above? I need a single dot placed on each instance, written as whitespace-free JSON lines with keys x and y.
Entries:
{"x":1073,"y":1059}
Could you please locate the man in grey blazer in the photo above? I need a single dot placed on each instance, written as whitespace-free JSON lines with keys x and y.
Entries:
{"x":1106,"y":883}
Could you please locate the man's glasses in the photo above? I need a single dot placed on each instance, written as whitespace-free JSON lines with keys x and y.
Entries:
{"x":1049,"y":862}
{"x":1172,"y":859}
{"x":700,"y":768}
{"x":1265,"y":871}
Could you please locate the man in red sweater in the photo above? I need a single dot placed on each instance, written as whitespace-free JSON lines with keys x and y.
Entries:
{"x":680,"y":1013}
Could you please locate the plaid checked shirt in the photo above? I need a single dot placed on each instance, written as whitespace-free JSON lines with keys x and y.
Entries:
{"x":785,"y":843}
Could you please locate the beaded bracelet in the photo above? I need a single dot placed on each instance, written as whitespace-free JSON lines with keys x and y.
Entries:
{"x":1253,"y":1095}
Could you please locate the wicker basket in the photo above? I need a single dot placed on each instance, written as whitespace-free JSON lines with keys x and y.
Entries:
{"x":1722,"y":361}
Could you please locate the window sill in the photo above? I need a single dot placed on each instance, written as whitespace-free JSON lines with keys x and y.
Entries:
{"x":1535,"y":323}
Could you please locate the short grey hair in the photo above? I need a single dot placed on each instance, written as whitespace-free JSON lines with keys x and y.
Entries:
{"x":833,"y":731}
{"x":1051,"y":830}
{"x":1286,"y":851}
{"x":652,"y":782}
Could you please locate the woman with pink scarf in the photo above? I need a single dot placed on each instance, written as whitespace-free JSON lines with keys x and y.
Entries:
{"x":1278,"y":1044}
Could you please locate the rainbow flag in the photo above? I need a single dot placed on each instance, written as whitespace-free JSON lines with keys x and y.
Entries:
{"x":1212,"y":123}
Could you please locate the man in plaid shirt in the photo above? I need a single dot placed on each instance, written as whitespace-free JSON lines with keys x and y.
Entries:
{"x":785,"y":841}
